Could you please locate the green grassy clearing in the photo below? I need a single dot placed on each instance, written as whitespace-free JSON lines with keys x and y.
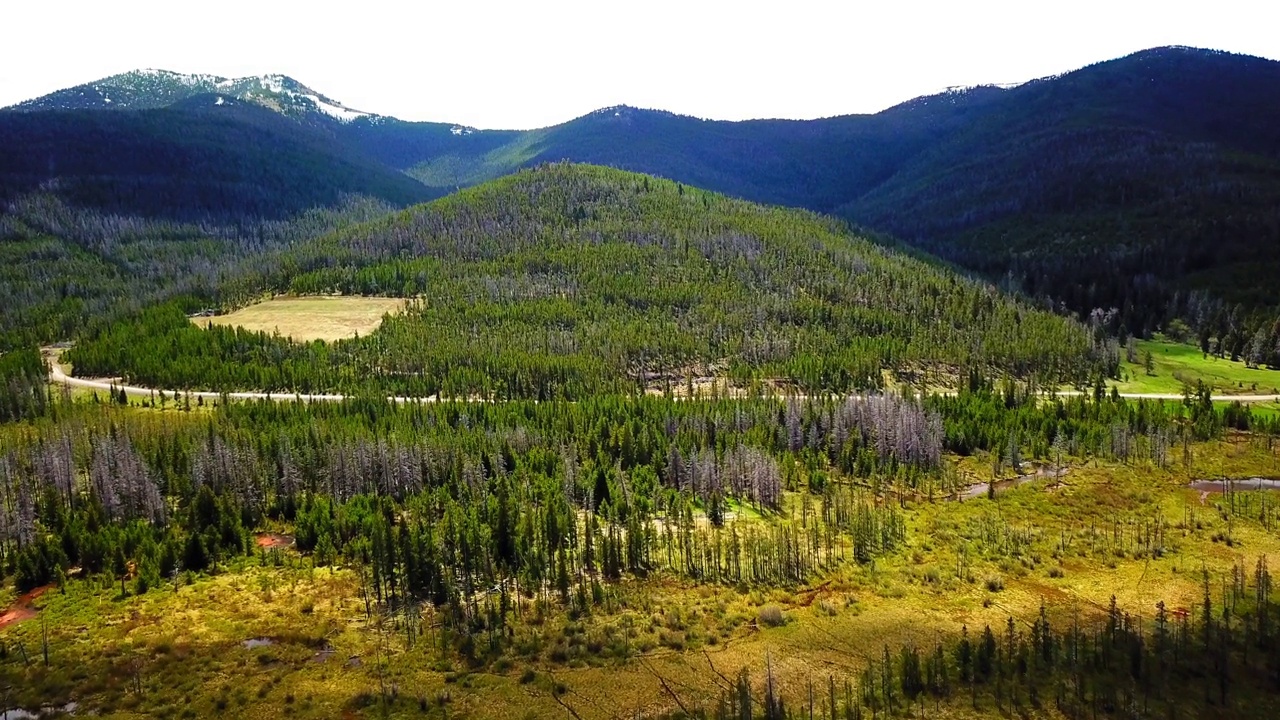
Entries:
{"x":1175,"y":365}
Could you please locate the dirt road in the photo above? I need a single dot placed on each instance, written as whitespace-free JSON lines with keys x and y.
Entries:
{"x":57,"y":376}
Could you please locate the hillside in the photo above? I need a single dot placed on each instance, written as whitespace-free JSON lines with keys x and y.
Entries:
{"x":191,"y":161}
{"x":568,"y":279}
{"x":1126,"y":184}
{"x":814,"y":164}
{"x":1112,"y":186}
{"x":1148,"y":184}
{"x":63,"y":268}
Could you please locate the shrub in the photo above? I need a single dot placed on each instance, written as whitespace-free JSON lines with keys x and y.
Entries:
{"x":995,"y":583}
{"x":771,"y":616}
{"x":673,"y":640}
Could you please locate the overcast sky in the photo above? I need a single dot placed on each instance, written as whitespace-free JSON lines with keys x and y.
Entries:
{"x":530,"y":64}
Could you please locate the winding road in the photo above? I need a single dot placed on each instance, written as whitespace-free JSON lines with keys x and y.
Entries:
{"x":58,"y":377}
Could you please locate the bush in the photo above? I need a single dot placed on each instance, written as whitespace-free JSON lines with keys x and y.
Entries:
{"x":771,"y":616}
{"x":995,"y":583}
{"x":670,"y":639}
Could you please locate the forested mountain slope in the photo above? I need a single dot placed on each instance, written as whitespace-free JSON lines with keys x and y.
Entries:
{"x":152,"y":89}
{"x":63,"y":267}
{"x":194,"y":161}
{"x":814,"y":164}
{"x":1128,"y":184}
{"x":1112,"y":186}
{"x":566,"y":280}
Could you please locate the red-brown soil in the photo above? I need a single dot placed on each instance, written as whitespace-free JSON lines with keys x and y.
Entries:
{"x":274,"y":540}
{"x":22,"y":608}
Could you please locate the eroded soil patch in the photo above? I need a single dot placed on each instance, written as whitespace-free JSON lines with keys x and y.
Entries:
{"x":23,"y":608}
{"x":267,"y":541}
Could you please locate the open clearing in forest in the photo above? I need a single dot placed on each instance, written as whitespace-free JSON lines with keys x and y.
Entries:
{"x":268,"y":541}
{"x":312,"y":317}
{"x":1175,"y":365}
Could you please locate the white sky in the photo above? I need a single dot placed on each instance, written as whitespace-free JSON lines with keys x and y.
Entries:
{"x":529,"y":64}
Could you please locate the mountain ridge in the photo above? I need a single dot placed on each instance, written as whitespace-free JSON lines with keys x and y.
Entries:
{"x":1162,"y":163}
{"x":150,"y":89}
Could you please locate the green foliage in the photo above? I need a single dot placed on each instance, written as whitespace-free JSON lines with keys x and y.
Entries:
{"x":569,"y":280}
{"x":63,"y":268}
{"x":190,"y":163}
{"x":23,"y":385}
{"x":1219,"y":664}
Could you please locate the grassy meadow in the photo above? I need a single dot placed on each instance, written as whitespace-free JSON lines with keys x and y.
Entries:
{"x":308,"y":318}
{"x":1176,"y":365}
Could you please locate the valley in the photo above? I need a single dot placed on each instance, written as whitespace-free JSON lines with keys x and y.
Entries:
{"x":962,"y":409}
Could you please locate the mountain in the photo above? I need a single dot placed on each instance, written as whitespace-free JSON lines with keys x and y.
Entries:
{"x":1149,"y":184}
{"x":571,"y":280}
{"x":204,"y":156}
{"x":813,"y":164}
{"x":152,"y":89}
{"x":1126,"y":184}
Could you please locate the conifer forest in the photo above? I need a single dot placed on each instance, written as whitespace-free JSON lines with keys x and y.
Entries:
{"x":308,"y":434}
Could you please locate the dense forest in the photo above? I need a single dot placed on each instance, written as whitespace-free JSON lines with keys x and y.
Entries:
{"x":1142,"y":187}
{"x":644,"y":415}
{"x":189,"y":163}
{"x":64,"y":268}
{"x":567,"y":280}
{"x":1133,"y":187}
{"x":509,"y":483}
{"x":469,"y":511}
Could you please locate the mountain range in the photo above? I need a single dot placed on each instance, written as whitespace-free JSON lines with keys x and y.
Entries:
{"x":1145,"y":184}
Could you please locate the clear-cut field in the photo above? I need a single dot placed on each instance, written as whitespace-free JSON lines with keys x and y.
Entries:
{"x":309,"y":318}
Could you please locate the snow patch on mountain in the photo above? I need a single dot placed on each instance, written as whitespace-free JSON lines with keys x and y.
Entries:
{"x":153,"y":88}
{"x":344,"y":114}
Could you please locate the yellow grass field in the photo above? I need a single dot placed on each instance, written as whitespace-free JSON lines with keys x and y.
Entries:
{"x":309,"y":318}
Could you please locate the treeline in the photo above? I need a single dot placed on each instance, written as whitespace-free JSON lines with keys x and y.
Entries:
{"x":1219,"y":659}
{"x":665,"y":476}
{"x":623,"y":484}
{"x":565,"y":281}
{"x":1011,"y":420}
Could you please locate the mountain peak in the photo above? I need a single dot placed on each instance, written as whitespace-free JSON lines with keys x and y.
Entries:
{"x":152,"y":88}
{"x":626,"y":113}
